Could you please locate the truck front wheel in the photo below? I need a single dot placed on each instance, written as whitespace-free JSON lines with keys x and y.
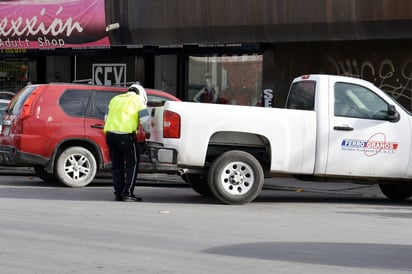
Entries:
{"x":397,"y":191}
{"x":236,"y":177}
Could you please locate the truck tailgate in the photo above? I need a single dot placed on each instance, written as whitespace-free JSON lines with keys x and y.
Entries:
{"x":156,"y":128}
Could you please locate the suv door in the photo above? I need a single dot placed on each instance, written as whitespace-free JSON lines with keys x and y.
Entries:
{"x":94,"y":123}
{"x":74,"y":103}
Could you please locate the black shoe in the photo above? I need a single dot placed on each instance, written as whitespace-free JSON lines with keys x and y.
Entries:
{"x":132,"y":198}
{"x":118,"y":198}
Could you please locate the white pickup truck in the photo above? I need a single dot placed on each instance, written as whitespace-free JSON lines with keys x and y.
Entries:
{"x":333,"y":127}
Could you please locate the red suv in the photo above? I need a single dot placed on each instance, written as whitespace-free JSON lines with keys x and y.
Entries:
{"x":58,"y":130}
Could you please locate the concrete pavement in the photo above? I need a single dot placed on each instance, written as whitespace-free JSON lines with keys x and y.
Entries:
{"x":277,"y":183}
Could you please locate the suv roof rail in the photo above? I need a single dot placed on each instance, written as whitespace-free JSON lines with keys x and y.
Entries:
{"x":88,"y":81}
{"x":128,"y":83}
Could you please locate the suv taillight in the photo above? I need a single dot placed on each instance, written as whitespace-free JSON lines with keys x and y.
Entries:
{"x":171,"y":124}
{"x":26,"y":109}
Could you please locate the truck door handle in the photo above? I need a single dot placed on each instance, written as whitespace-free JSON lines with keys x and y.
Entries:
{"x":97,"y":126}
{"x":343,"y":128}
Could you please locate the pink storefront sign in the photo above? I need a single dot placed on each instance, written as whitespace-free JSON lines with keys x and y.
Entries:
{"x":51,"y":24}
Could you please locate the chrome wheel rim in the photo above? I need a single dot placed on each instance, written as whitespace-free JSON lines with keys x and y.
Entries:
{"x":77,"y":167}
{"x":237,"y":178}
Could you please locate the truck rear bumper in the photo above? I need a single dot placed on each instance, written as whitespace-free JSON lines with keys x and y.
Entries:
{"x":158,"y":168}
{"x":161,"y":155}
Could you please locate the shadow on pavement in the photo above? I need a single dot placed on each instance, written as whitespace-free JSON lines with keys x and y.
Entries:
{"x":359,"y":255}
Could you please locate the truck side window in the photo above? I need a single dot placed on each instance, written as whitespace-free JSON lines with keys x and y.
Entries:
{"x":302,"y":95}
{"x":356,"y":101}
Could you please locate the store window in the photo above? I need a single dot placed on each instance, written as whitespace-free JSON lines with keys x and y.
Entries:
{"x":14,"y":74}
{"x":235,"y":80}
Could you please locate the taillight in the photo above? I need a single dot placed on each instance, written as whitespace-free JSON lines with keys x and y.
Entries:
{"x":25,"y":110}
{"x":171,"y":124}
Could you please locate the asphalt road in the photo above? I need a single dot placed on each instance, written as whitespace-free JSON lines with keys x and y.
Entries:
{"x":292,"y":227}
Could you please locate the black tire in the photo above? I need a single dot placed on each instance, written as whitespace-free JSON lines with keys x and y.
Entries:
{"x":399,"y":192}
{"x":76,"y":167}
{"x":198,"y":182}
{"x":236,"y":177}
{"x":44,"y":175}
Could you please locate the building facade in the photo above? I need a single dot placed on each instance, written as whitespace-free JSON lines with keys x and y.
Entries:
{"x":249,"y":50}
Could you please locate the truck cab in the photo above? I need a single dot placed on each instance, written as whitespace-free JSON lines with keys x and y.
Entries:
{"x":358,"y":126}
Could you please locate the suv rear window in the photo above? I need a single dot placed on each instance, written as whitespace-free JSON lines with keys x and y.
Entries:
{"x":18,"y":101}
{"x":74,"y":102}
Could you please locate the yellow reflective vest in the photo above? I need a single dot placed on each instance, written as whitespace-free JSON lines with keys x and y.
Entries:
{"x":123,"y":115}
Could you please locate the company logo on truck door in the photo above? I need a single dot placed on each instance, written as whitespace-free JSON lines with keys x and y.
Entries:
{"x":377,"y":143}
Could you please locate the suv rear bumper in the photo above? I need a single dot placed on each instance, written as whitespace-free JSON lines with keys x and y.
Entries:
{"x":10,"y":156}
{"x":158,"y":160}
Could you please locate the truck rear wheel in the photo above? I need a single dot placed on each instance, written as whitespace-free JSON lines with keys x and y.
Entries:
{"x":236,"y":177}
{"x":76,"y":167}
{"x":198,"y":182}
{"x":398,"y":192}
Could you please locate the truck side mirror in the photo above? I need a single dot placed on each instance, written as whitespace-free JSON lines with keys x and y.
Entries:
{"x":393,"y":114}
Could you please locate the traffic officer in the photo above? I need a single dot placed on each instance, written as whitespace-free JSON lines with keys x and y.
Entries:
{"x":122,"y":121}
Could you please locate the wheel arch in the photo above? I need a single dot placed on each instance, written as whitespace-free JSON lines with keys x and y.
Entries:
{"x":257,"y":145}
{"x":85,"y":143}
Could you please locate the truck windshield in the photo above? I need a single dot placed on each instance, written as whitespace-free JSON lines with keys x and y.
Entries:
{"x":302,"y":95}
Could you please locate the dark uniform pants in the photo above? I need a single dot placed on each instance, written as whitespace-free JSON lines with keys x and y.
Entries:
{"x":125,"y":157}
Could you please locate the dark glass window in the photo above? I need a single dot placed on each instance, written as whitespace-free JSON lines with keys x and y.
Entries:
{"x":74,"y":102}
{"x":100,"y":103}
{"x":358,"y":102}
{"x":235,"y":79}
{"x":18,"y":101}
{"x":14,"y":73}
{"x":302,"y":95}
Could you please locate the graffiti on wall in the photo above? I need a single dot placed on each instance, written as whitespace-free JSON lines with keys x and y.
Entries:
{"x":392,"y":77}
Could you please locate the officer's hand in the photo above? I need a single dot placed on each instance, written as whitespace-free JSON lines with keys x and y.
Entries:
{"x":147,"y":135}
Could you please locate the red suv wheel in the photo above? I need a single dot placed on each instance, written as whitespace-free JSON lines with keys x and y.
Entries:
{"x":76,"y":167}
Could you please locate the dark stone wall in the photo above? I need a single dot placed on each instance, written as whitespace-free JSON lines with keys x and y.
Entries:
{"x":386,"y":63}
{"x":180,"y":22}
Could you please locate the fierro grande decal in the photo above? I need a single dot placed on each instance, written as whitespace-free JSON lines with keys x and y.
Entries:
{"x":377,"y":143}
